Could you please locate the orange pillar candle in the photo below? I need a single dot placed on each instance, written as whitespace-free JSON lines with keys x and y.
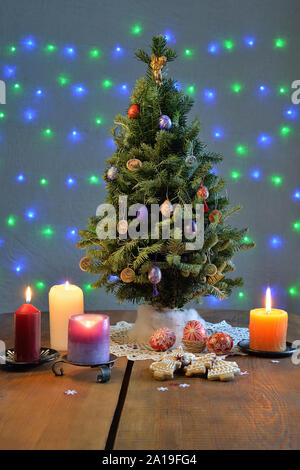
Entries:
{"x":267,"y":328}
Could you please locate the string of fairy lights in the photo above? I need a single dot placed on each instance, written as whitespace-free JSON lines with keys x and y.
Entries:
{"x":15,"y":87}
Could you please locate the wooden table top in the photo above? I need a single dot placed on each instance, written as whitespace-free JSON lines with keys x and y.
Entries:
{"x":260,"y":410}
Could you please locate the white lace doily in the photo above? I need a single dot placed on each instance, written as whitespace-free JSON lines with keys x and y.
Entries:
{"x":120,"y":345}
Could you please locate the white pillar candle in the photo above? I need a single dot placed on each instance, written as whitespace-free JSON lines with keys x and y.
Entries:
{"x":65,"y":300}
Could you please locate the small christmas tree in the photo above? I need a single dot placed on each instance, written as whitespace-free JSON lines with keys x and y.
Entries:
{"x":159,"y":159}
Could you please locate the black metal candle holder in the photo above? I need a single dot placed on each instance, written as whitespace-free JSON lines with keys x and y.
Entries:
{"x":9,"y":362}
{"x":245,"y":347}
{"x":104,"y":368}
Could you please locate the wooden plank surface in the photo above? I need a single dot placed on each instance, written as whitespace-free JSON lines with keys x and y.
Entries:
{"x":256,"y":411}
{"x":35,"y":413}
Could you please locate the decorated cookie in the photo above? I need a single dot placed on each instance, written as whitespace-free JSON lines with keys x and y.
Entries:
{"x":219,"y":343}
{"x":200,"y":364}
{"x":162,"y":339}
{"x":164,"y":369}
{"x":223,"y":371}
{"x":180,"y":355}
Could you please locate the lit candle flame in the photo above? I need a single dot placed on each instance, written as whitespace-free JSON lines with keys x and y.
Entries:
{"x":67,"y":285}
{"x":28,"y":295}
{"x":268,"y":300}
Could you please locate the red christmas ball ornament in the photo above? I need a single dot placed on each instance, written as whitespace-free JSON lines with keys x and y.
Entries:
{"x":162,"y":339}
{"x":203,"y":192}
{"x":219,"y":343}
{"x":133,"y":111}
{"x":194,"y":331}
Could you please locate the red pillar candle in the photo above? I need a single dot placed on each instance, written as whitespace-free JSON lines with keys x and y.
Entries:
{"x":27,"y":332}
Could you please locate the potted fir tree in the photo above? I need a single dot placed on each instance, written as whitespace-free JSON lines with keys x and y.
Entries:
{"x":160,"y":160}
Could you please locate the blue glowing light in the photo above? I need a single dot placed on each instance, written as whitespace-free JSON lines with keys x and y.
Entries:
{"x":263,"y":90}
{"x":20,"y":178}
{"x":275,"y":241}
{"x":209,"y":95}
{"x":213,"y":48}
{"x":110,"y":143}
{"x":218,"y":133}
{"x":39,"y":92}
{"x":124,"y":89}
{"x":79,"y":90}
{"x":70,"y":51}
{"x":264,"y":140}
{"x":291,"y":113}
{"x":255,"y":174}
{"x":118,"y":51}
{"x":169,"y":36}
{"x":111,"y":279}
{"x":70,"y":181}
{"x":18,"y":268}
{"x":178,"y":86}
{"x":29,"y":43}
{"x":249,"y":41}
{"x":30,"y":114}
{"x":72,"y":232}
{"x":30,"y":214}
{"x":75,"y":135}
{"x":9,"y":71}
{"x":296,"y":195}
{"x":1,"y":242}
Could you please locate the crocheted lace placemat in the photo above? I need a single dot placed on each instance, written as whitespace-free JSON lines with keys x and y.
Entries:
{"x":121,"y":345}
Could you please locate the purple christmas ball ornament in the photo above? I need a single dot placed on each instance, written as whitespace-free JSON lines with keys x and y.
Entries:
{"x":164,"y":122}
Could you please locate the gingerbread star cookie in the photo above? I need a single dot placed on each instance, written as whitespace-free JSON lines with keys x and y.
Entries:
{"x":223,"y":371}
{"x":165,"y":369}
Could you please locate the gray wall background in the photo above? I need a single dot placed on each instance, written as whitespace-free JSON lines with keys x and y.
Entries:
{"x":105,"y":24}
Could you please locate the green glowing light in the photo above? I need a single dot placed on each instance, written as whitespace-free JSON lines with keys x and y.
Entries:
{"x":40,"y":285}
{"x":285,"y":130}
{"x":191,"y":89}
{"x":12,"y":49}
{"x":47,"y":231}
{"x":188,"y":52}
{"x":88,"y":287}
{"x":63,"y":80}
{"x":241,"y":295}
{"x":98,"y":121}
{"x":47,"y":132}
{"x":106,"y":83}
{"x":228,"y":44}
{"x":94,"y":53}
{"x":93,"y":179}
{"x":136,"y":29}
{"x":235,"y":175}
{"x":279,"y":43}
{"x":11,"y":220}
{"x":296,"y":226}
{"x":43,"y":181}
{"x":2,"y":115}
{"x":17,"y":86}
{"x":236,"y":87}
{"x":247,"y":239}
{"x":282,"y":90}
{"x":276,"y":180}
{"x":241,"y":149}
{"x":293,"y":291}
{"x":50,"y":48}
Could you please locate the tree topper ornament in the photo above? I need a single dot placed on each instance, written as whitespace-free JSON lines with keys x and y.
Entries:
{"x":157,"y":63}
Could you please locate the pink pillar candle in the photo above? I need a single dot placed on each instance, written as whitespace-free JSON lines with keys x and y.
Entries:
{"x":88,"y":339}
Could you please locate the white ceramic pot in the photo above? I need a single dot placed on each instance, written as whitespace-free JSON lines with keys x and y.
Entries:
{"x":149,"y":319}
